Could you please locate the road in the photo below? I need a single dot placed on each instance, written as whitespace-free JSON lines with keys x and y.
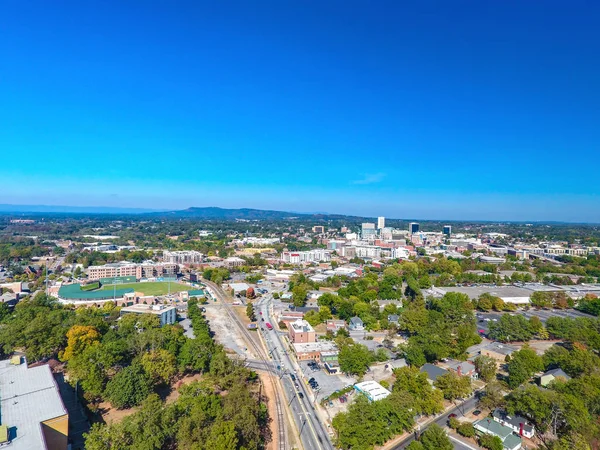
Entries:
{"x":442,"y":420}
{"x":313,"y":432}
{"x":279,"y":419}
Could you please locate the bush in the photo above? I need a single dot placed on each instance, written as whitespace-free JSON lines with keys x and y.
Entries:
{"x":453,"y":423}
{"x":466,"y":429}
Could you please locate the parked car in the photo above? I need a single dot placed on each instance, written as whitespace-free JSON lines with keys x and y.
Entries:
{"x":476,"y":412}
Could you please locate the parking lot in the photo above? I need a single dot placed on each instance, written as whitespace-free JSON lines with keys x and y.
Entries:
{"x":328,"y":384}
{"x":484,"y":319}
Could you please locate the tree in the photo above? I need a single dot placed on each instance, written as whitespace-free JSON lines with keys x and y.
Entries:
{"x":427,"y":400}
{"x":453,"y":386}
{"x":511,"y":328}
{"x":435,"y":438}
{"x":79,"y":337}
{"x":299,"y":294}
{"x":355,"y":359}
{"x":160,"y":365}
{"x":490,"y":442}
{"x":415,"y":445}
{"x":493,"y":396}
{"x":250,"y":293}
{"x":129,"y":387}
{"x":250,"y":312}
{"x":486,"y":367}
{"x":522,"y":366}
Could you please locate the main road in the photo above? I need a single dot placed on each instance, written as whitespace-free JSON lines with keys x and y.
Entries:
{"x":295,"y":397}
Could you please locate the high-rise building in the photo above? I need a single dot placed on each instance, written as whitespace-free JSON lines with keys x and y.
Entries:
{"x":447,"y":230}
{"x":380,"y":223}
{"x":413,"y":227}
{"x":319,"y":229}
{"x":368,"y":231}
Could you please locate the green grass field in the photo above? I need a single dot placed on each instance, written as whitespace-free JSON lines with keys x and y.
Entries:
{"x":151,"y":288}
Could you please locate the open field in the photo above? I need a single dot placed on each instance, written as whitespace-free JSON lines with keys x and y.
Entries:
{"x":150,"y":288}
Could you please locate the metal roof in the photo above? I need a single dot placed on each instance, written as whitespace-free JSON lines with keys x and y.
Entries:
{"x":28,"y":396}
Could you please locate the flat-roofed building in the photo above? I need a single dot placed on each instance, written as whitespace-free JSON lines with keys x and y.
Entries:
{"x":32,"y":414}
{"x":313,"y":350}
{"x":372,"y":389}
{"x":183,"y":257}
{"x":147,"y":269}
{"x":166,"y":314}
{"x":300,"y":331}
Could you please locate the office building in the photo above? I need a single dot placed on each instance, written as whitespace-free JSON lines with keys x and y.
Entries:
{"x":380,"y":223}
{"x":166,"y":314}
{"x":369,"y":232}
{"x":32,"y":415}
{"x":319,"y":229}
{"x":447,"y":230}
{"x":301,"y":332}
{"x":413,"y":227}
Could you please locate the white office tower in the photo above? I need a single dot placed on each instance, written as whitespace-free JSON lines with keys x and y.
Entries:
{"x":380,"y":223}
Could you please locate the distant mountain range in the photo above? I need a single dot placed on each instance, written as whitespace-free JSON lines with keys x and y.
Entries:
{"x":209,"y":212}
{"x":213,"y":212}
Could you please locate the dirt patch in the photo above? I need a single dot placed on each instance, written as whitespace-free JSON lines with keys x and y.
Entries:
{"x":114,"y":415}
{"x":227,"y":333}
{"x":269,"y":393}
{"x":174,"y":394}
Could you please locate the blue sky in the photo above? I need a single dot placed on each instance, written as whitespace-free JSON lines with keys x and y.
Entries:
{"x":435,"y":109}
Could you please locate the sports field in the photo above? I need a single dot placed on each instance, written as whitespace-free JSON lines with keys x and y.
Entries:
{"x":151,"y":288}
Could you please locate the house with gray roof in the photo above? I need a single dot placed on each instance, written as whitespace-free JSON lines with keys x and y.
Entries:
{"x":356,"y":324}
{"x":510,"y":441}
{"x":552,"y":375}
{"x":433,"y":372}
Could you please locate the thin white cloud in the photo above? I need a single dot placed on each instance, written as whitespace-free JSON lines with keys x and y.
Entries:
{"x":370,"y":178}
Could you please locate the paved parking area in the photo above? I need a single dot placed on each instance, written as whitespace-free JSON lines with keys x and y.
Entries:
{"x":328,"y":384}
{"x":484,"y":319}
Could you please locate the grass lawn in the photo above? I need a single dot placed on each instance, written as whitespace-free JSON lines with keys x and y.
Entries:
{"x":151,"y":288}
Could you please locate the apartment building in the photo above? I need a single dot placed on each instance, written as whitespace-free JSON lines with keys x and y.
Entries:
{"x":183,"y":257}
{"x":317,"y":255}
{"x":147,"y":269}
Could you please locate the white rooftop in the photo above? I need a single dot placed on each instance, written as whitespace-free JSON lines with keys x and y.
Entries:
{"x":28,"y":396}
{"x":372,"y":389}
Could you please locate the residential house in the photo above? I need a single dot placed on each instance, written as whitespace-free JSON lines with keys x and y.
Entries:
{"x":510,"y":441}
{"x":433,"y":372}
{"x":393,"y":318}
{"x":518,"y":424}
{"x":335,"y":325}
{"x":552,"y":375}
{"x":463,"y":368}
{"x":356,"y":324}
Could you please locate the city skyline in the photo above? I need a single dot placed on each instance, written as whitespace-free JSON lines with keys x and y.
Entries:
{"x":450,"y":112}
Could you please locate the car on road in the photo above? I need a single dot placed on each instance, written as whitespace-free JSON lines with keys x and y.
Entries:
{"x":300,"y":394}
{"x":452,"y":416}
{"x":482,"y":331}
{"x":293,"y":377}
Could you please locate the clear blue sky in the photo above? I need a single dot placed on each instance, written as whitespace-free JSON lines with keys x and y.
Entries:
{"x":426,"y":109}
